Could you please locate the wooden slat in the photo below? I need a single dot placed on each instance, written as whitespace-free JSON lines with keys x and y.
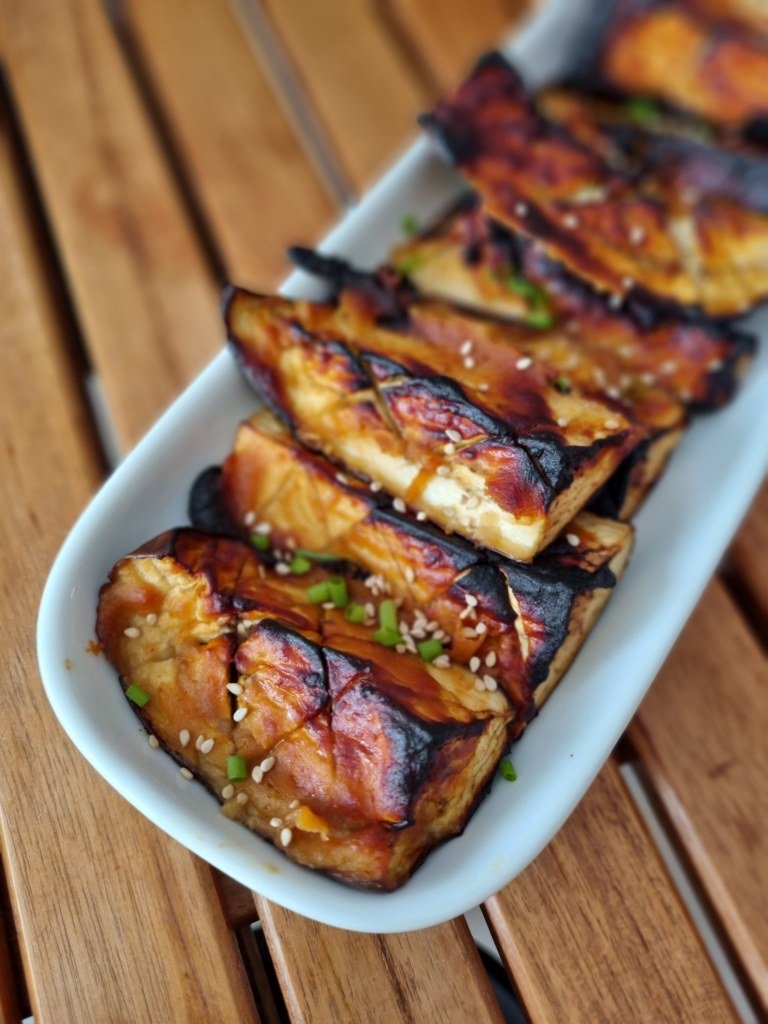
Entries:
{"x":702,"y":734}
{"x":593,"y":930}
{"x":116,"y":922}
{"x":142,"y":290}
{"x":748,"y":562}
{"x":449,"y":36}
{"x":250,"y":173}
{"x":331,"y":975}
{"x":356,"y":76}
{"x":236,"y":900}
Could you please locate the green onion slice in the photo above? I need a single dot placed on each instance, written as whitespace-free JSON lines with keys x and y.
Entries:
{"x":409,"y":225}
{"x":137,"y":695}
{"x":319,"y":593}
{"x":429,"y":649}
{"x":354,"y":612}
{"x":260,"y":541}
{"x":316,"y":556}
{"x":299,"y":565}
{"x":508,"y":770}
{"x":388,"y":616}
{"x":236,"y":768}
{"x":387,"y":637}
{"x":337,"y":588}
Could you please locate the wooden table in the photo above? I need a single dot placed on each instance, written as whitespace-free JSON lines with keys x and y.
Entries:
{"x":150,"y":149}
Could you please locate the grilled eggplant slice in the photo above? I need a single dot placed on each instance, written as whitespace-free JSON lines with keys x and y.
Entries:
{"x":359,"y":759}
{"x":483,"y":443}
{"x":535,"y":178}
{"x":271,"y":480}
{"x":475,"y":261}
{"x":706,"y":56}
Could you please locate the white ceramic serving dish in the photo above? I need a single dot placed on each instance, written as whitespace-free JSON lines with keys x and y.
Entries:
{"x":682,"y":532}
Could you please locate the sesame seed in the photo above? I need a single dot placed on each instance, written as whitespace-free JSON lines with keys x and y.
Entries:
{"x":421,"y":516}
{"x":636,"y":234}
{"x":469,"y":633}
{"x":151,"y":619}
{"x":228,"y":792}
{"x":648,"y":378}
{"x":418,"y":632}
{"x":370,"y":609}
{"x":375,"y":486}
{"x":613,"y":392}
{"x":267,"y":764}
{"x":573,"y":539}
{"x":257,"y":774}
{"x":716,"y":364}
{"x":479,"y":685}
{"x":398,"y":505}
{"x":524,"y":363}
{"x":490,"y":659}
{"x":562,"y":421}
{"x":628,"y":282}
{"x":521,"y":209}
{"x":240,"y":714}
{"x":132,"y":632}
{"x":186,"y":773}
{"x":327,"y":606}
{"x":466,"y":347}
{"x":442,"y":661}
{"x":342,"y":478}
{"x":440,"y":634}
{"x":403,"y":627}
{"x":235,"y":688}
{"x":453,"y":435}
{"x":474,"y":664}
{"x":207,"y":746}
{"x":263,"y":528}
{"x":465,"y":612}
{"x":471,"y":600}
{"x":199,"y":742}
{"x":481,"y":628}
{"x":469,"y":363}
{"x":431,"y":626}
{"x":401,"y":648}
{"x":285,"y":837}
{"x":249,"y":518}
{"x":184,"y":737}
{"x":483,"y":387}
{"x":282,"y":569}
{"x":276,"y":822}
{"x":612,"y":424}
{"x":614,"y":301}
{"x":154,"y":742}
{"x":570,"y":220}
{"x":241,"y":798}
{"x":442,"y":471}
{"x":669,"y":366}
{"x":450,"y":448}
{"x":490,"y":683}
{"x":293,"y":804}
{"x":410,"y":575}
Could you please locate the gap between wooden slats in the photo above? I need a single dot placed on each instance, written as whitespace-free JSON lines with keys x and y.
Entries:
{"x":746,"y":567}
{"x":102,"y":898}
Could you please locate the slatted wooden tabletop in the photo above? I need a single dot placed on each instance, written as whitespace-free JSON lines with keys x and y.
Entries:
{"x":149,"y":149}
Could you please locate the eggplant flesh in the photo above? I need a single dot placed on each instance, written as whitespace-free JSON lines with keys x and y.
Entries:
{"x":535,"y":178}
{"x":359,"y":759}
{"x":493,"y":625}
{"x":485,"y":445}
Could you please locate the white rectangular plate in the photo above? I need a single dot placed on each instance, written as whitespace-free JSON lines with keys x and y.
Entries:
{"x":682,"y":532}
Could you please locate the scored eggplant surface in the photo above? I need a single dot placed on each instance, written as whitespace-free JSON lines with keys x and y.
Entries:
{"x":601,"y":223}
{"x":484,"y":443}
{"x":352,"y":758}
{"x":515,"y":625}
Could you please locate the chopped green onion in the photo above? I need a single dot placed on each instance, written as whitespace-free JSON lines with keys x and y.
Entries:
{"x":319,"y":593}
{"x":337,"y":588}
{"x":316,"y":556}
{"x":508,"y":770}
{"x":522,"y":286}
{"x":137,"y":695}
{"x":300,"y":565}
{"x":354,"y":612}
{"x":539,"y":318}
{"x":387,"y":637}
{"x":410,"y":262}
{"x":562,"y":384}
{"x":260,"y":541}
{"x":409,"y":225}
{"x":642,"y":109}
{"x":430,"y":649}
{"x":388,"y":615}
{"x":236,"y":767}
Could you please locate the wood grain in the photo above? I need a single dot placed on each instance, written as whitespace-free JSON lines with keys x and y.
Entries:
{"x":143,"y":293}
{"x":748,"y":562}
{"x":594,"y":931}
{"x":248,"y":170}
{"x":116,"y":922}
{"x":449,"y":36}
{"x":702,"y":734}
{"x":355,"y":75}
{"x":332,"y":975}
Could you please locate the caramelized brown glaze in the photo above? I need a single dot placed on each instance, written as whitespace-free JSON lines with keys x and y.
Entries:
{"x":535,"y":178}
{"x":377,"y":756}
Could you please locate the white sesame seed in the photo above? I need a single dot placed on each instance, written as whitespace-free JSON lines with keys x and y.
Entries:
{"x":375,"y":486}
{"x":132,"y":632}
{"x":465,"y":612}
{"x":570,"y":220}
{"x":628,"y":282}
{"x":432,"y":625}
{"x":401,"y":648}
{"x":398,"y":505}
{"x":199,"y":742}
{"x":562,"y":421}
{"x":442,"y":661}
{"x":370,"y":609}
{"x":263,"y":528}
{"x":636,"y":234}
{"x":470,"y":599}
{"x":241,"y":798}
{"x":154,"y":742}
{"x":186,"y":773}
{"x":521,"y":209}
{"x":479,"y":685}
{"x":151,"y":619}
{"x":716,"y":364}
{"x":669,"y":366}
{"x":285,"y":837}
{"x":327,"y":606}
{"x":421,"y":516}
{"x":648,"y":378}
{"x":474,"y":664}
{"x":184,"y":737}
{"x":342,"y":478}
{"x":469,"y":363}
{"x":235,"y":688}
{"x":240,"y":714}
{"x":466,"y":347}
{"x":490,"y":683}
{"x":418,"y":632}
{"x":453,"y":435}
{"x":440,"y":634}
{"x":450,"y":448}
{"x":573,"y":539}
{"x":257,"y":774}
{"x":613,"y":392}
{"x":228,"y":792}
{"x":442,"y":471}
{"x":469,"y":633}
{"x":293,"y":805}
{"x":207,"y":746}
{"x":481,"y":628}
{"x":403,"y":627}
{"x":249,"y":518}
{"x":612,"y":424}
{"x":276,"y":822}
{"x":614,"y":301}
{"x":490,"y":659}
{"x":524,"y":363}
{"x":410,"y":575}
{"x":483,"y":387}
{"x":267,"y":764}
